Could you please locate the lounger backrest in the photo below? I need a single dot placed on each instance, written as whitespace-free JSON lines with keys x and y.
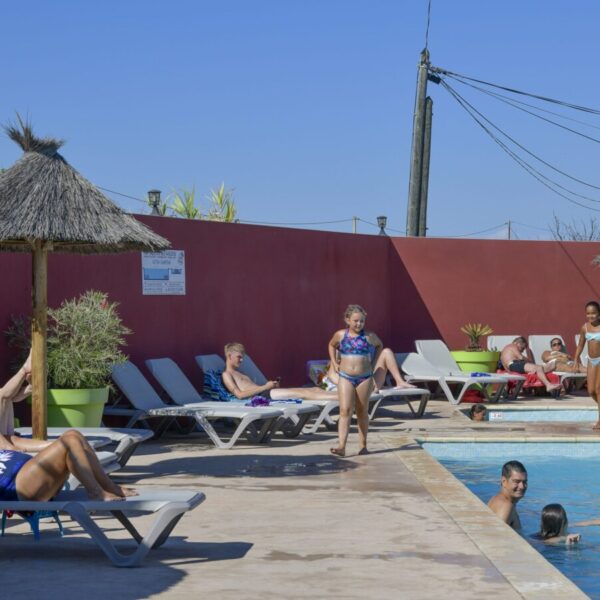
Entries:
{"x":210,"y":362}
{"x":437,"y":354}
{"x":173,"y":381}
{"x":539,"y":344}
{"x":416,"y":365}
{"x":497,"y":342}
{"x":135,"y":386}
{"x":249,"y":368}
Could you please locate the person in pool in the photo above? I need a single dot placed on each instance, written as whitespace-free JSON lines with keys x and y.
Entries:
{"x":553,"y":526}
{"x":40,"y":477}
{"x":353,"y":353}
{"x":513,"y":486}
{"x":477,"y":412}
{"x":590,"y":333}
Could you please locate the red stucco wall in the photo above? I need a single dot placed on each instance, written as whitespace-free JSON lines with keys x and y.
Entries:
{"x":282,"y":291}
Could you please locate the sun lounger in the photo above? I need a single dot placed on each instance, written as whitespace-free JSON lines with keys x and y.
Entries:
{"x":168,"y":505}
{"x":418,"y":369}
{"x":256,"y":424}
{"x":437,"y":354}
{"x":182,"y":392}
{"x":538,"y":345}
{"x":127,"y":440}
{"x":326,"y":405}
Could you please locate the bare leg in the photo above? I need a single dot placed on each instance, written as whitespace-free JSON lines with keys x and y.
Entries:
{"x":309,"y":393}
{"x":346,"y":396}
{"x":539,"y":371}
{"x":387,"y":362}
{"x":363,"y":391}
{"x":43,"y":476}
{"x":593,"y":380}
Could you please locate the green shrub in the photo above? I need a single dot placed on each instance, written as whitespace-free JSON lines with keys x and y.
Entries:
{"x":84,"y":339}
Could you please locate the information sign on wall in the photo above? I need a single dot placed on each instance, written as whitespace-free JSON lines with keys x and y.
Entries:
{"x":163,"y":273}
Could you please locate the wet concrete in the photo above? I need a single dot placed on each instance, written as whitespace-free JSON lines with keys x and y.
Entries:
{"x":291,"y":521}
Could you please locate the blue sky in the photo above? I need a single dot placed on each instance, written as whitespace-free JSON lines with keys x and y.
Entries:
{"x":304,"y":107}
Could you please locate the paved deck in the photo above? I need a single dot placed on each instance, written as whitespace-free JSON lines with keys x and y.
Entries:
{"x":290,"y":521}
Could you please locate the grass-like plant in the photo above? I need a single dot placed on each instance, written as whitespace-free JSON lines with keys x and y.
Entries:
{"x":85,"y":335}
{"x":474,"y":332}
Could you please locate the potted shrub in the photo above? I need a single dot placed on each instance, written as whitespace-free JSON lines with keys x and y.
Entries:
{"x":85,"y":335}
{"x":474,"y":358}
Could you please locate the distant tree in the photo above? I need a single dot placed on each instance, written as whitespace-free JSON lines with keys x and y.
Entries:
{"x":575,"y":232}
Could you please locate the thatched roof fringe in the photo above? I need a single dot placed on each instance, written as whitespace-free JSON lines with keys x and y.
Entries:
{"x":23,"y":135}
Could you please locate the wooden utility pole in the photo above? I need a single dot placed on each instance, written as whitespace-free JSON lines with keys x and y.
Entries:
{"x":425,"y":168}
{"x":416,"y":160}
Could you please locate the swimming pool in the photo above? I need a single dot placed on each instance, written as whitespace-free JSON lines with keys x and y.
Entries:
{"x":545,"y":414}
{"x":558,"y":472}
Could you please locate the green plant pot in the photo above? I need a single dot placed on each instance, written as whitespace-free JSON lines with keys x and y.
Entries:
{"x":76,"y":408}
{"x":476,"y":362}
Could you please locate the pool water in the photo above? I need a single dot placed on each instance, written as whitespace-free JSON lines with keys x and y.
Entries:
{"x":572,"y":482}
{"x":541,"y":414}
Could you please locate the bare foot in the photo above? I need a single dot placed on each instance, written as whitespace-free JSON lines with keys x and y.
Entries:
{"x":338,"y":451}
{"x":127,"y":492}
{"x":363,"y":451}
{"x":105,"y":496}
{"x":553,"y":387}
{"x":404,"y":385}
{"x":596,"y":426}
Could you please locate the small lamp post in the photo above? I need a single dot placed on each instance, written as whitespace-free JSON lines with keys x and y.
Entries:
{"x":381,"y":223}
{"x":154,"y":201}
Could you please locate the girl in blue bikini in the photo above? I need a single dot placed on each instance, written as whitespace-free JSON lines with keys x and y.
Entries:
{"x":353,"y":353}
{"x":590,"y":333}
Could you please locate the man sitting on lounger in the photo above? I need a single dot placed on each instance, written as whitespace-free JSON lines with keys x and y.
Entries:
{"x":517,"y":357}
{"x":513,"y":485}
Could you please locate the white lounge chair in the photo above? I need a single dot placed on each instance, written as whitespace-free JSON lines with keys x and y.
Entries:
{"x":126,"y":440}
{"x":147,"y":404}
{"x":169,"y":506}
{"x":249,"y":368}
{"x":179,"y":388}
{"x":326,"y":405}
{"x":498,"y":342}
{"x":437,"y":354}
{"x":538,"y":345}
{"x":418,"y":369}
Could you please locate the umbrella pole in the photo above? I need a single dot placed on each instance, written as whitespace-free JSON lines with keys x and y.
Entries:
{"x":39,"y":411}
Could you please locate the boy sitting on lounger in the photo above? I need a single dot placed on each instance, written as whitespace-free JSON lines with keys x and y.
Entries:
{"x":517,"y":357}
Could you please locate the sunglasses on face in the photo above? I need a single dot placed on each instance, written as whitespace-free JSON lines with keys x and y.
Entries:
{"x":556,"y":344}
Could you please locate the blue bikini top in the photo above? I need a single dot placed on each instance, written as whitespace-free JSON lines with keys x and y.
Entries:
{"x":592,"y":335}
{"x":357,"y":345}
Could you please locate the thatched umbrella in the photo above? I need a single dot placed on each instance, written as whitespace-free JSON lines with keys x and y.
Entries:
{"x":46,"y":205}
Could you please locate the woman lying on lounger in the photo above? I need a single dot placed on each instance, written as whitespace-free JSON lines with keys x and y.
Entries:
{"x":563,"y":361}
{"x":40,"y":477}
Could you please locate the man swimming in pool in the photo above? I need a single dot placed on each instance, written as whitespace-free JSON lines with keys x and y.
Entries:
{"x":513,"y":485}
{"x":517,"y":357}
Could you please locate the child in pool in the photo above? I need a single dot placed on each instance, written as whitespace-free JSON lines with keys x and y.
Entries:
{"x":553,"y":528}
{"x":477,"y":412}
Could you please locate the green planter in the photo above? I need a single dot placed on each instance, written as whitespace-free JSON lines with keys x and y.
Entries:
{"x":76,"y":408}
{"x":476,"y":362}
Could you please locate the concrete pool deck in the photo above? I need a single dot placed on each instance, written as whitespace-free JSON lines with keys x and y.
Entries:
{"x":291,"y":521}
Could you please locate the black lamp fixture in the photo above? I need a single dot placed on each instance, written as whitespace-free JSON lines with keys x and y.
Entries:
{"x":154,"y":201}
{"x":381,"y":223}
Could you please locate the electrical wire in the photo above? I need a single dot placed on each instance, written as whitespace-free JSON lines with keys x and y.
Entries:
{"x":546,"y":181}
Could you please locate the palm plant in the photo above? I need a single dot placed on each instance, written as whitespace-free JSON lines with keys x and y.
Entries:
{"x":474,"y":332}
{"x":222,"y":206}
{"x":184,"y":204}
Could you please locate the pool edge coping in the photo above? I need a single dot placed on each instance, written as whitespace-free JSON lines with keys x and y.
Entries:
{"x":524,"y":568}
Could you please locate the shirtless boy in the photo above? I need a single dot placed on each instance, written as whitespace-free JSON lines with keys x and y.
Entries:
{"x":513,"y":486}
{"x":516,"y":357}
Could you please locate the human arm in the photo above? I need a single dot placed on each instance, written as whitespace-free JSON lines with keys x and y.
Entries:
{"x":570,"y":538}
{"x":13,"y":389}
{"x":580,"y":346}
{"x":249,"y":390}
{"x":332,"y":349}
{"x":587,"y":523}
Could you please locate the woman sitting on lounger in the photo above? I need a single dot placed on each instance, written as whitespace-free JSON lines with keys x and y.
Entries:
{"x":563,"y":361}
{"x":40,"y":477}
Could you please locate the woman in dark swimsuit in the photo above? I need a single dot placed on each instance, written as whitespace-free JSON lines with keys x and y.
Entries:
{"x":353,"y":353}
{"x":41,"y":476}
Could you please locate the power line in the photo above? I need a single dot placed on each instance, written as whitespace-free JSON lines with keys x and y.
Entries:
{"x":543,"y":179}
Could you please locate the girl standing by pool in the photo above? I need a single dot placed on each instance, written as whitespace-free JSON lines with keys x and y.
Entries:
{"x":590,"y":333}
{"x":353,"y":353}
